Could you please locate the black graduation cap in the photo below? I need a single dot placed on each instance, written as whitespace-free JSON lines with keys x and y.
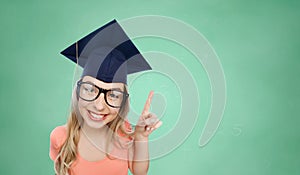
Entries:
{"x":107,"y":54}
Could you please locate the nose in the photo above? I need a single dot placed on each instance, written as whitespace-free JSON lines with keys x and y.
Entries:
{"x":100,"y":102}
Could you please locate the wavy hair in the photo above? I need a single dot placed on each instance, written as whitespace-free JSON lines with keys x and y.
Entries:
{"x":68,"y":151}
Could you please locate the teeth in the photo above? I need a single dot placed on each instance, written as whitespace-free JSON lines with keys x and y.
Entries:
{"x":96,"y":116}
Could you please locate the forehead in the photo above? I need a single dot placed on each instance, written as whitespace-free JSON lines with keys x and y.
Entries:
{"x":102,"y":84}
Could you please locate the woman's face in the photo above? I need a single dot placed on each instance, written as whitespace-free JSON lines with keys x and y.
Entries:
{"x":98,"y":113}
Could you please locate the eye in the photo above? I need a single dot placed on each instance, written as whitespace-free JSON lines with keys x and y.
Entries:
{"x":113,"y":94}
{"x":88,"y":88}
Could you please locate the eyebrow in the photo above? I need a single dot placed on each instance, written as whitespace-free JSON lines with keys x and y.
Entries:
{"x":104,"y":88}
{"x":116,"y":89}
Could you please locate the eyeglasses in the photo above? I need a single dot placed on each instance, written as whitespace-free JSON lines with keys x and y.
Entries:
{"x":90,"y":92}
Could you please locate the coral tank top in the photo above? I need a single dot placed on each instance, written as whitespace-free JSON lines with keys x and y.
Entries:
{"x":81,"y":166}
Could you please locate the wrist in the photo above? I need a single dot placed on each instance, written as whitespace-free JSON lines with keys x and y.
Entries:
{"x":140,"y":138}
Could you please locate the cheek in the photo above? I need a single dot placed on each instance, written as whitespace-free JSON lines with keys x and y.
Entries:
{"x":82,"y":105}
{"x":114,"y":111}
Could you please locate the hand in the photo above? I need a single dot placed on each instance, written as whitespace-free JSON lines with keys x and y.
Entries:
{"x":147,"y":123}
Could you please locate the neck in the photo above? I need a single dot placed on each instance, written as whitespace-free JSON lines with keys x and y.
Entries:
{"x":96,"y":136}
{"x":95,"y":132}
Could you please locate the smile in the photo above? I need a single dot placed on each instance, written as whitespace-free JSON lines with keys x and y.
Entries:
{"x":96,"y":117}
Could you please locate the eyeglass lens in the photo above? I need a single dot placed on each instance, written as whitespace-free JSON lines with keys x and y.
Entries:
{"x":90,"y":92}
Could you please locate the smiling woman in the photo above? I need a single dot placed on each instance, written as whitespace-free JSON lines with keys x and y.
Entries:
{"x":97,"y":138}
{"x":95,"y":107}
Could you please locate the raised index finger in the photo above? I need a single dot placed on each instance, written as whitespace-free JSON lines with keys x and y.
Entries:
{"x":148,"y":103}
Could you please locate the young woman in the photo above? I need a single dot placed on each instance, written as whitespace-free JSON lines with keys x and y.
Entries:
{"x":97,"y":139}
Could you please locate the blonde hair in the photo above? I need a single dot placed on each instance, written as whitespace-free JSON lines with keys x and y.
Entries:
{"x":68,"y":151}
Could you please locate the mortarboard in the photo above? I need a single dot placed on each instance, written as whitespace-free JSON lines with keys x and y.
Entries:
{"x":107,"y":54}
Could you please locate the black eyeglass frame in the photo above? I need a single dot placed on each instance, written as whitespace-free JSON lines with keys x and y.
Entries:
{"x":101,"y":90}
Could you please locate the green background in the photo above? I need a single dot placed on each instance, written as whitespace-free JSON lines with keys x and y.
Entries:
{"x":258,"y":47}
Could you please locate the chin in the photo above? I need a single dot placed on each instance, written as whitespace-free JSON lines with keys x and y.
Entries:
{"x":95,"y":125}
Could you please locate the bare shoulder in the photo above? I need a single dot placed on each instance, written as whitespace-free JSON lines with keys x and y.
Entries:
{"x":58,"y":135}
